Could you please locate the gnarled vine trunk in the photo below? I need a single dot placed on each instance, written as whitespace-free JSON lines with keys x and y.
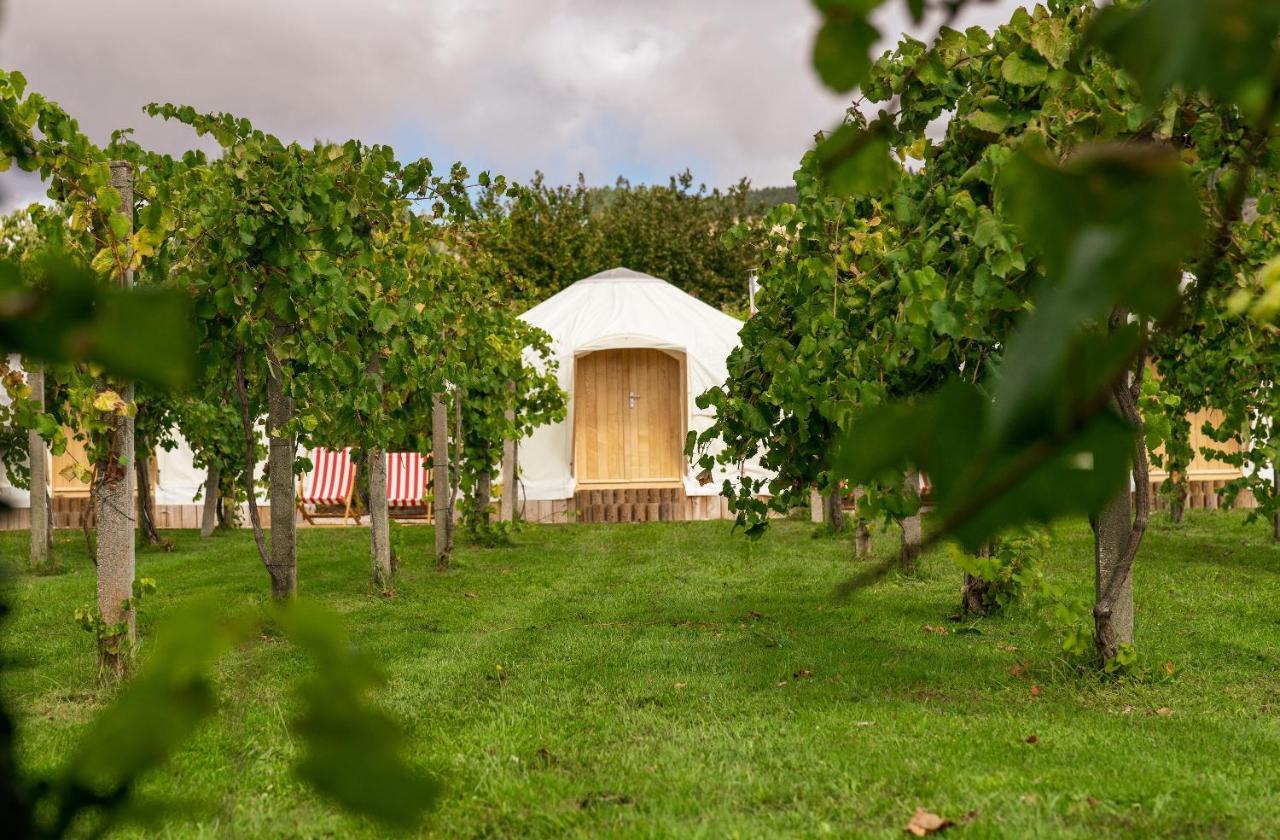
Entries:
{"x":482,"y":497}
{"x":912,"y":530}
{"x":382,"y":572}
{"x":146,"y":500}
{"x":250,"y":461}
{"x":440,"y":478}
{"x":38,"y":457}
{"x":283,"y":563}
{"x":833,"y":510}
{"x":973,"y":594}
{"x":455,"y":470}
{"x":1119,"y":527}
{"x":113,"y":504}
{"x":1178,"y":497}
{"x":861,"y":530}
{"x":1113,"y":579}
{"x":212,"y":497}
{"x":1179,"y":434}
{"x":1275,"y":519}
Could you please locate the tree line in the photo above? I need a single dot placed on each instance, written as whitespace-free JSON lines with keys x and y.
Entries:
{"x":560,"y":234}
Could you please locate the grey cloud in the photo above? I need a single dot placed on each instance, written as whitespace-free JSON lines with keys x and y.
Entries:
{"x":607,"y":88}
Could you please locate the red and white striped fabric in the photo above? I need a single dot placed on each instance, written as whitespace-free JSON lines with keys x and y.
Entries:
{"x":329,"y":482}
{"x":407,"y":479}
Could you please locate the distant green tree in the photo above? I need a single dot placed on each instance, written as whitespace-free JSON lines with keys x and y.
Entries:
{"x":560,"y":234}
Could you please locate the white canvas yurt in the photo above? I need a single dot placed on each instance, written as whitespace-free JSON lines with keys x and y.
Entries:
{"x":634,"y":353}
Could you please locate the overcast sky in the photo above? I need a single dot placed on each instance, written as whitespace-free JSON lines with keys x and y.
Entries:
{"x":641,"y":88}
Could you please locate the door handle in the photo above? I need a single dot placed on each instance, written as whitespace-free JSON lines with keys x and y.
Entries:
{"x":631,"y":399}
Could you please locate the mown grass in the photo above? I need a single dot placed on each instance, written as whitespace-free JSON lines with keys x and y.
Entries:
{"x":670,"y":680}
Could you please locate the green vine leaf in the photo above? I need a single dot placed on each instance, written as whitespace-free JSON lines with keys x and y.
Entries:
{"x":1024,"y":71}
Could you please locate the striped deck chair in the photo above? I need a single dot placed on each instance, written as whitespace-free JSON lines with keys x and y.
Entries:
{"x":407,"y":485}
{"x":327,"y":489}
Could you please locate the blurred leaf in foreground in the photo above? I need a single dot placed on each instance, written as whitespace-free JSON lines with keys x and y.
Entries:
{"x":982,"y":483}
{"x":68,"y":315}
{"x":1113,"y":226}
{"x":855,"y":160}
{"x":352,"y":749}
{"x":1226,"y":47}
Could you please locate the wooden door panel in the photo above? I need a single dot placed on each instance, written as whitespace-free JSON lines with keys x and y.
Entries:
{"x":587,"y":448}
{"x":614,"y":390}
{"x":655,"y":419}
{"x":639,"y":465}
{"x":621,"y":439}
{"x":599,"y":412}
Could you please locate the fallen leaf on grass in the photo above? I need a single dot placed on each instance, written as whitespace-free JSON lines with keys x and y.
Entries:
{"x":1029,"y":798}
{"x":1091,"y":802}
{"x":929,"y":628}
{"x":1017,"y":670}
{"x":1032,"y":739}
{"x":801,"y":674}
{"x":1163,"y":711}
{"x":925,"y":823}
{"x":781,"y":684}
{"x":865,"y":723}
{"x":470,"y":595}
{"x":1035,"y":691}
{"x":681,"y":685}
{"x":1168,"y":668}
{"x":1006,"y":647}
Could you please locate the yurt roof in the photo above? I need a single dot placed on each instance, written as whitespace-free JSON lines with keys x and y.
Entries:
{"x":624,"y":308}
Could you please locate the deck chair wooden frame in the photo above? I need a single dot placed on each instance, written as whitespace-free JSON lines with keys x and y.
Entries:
{"x":330,"y":470}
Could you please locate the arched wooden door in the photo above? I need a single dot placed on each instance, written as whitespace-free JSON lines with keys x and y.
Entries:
{"x":629,"y":418}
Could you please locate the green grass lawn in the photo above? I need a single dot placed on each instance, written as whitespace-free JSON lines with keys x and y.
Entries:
{"x":669,"y":680}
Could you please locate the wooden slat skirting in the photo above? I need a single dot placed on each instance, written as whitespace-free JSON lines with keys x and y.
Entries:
{"x":1203,"y":495}
{"x":627,"y":504}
